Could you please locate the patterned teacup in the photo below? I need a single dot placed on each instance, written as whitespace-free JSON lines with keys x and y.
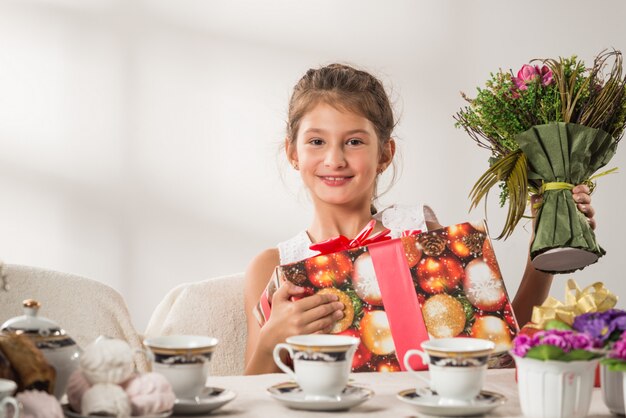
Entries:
{"x":321,"y":362}
{"x":7,"y":388}
{"x":457,"y":367}
{"x":183,"y":360}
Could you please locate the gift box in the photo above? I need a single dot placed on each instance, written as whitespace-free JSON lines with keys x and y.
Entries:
{"x":400,"y":292}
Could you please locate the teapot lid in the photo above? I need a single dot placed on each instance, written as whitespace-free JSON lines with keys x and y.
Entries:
{"x":31,"y":323}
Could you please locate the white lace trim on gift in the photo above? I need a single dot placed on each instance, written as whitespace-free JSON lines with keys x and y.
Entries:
{"x":398,"y":218}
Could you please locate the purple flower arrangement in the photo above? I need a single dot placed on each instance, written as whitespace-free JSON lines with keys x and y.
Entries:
{"x":604,"y":327}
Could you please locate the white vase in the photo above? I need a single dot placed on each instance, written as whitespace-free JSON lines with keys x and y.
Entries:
{"x":612,"y":389}
{"x":555,"y":389}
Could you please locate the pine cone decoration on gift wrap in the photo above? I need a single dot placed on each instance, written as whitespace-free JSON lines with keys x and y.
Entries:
{"x":474,"y":243}
{"x":296,"y":274}
{"x":432,"y":244}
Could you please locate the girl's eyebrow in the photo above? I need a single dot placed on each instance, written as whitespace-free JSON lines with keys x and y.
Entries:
{"x":314,"y":131}
{"x":357,"y":131}
{"x":350,"y":132}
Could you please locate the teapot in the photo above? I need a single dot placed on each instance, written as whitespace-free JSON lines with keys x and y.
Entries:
{"x":57,"y":347}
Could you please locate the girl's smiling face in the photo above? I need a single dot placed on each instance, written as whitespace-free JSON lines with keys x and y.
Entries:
{"x":338,"y":155}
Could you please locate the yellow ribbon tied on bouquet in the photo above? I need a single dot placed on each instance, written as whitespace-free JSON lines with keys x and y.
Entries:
{"x":593,"y":298}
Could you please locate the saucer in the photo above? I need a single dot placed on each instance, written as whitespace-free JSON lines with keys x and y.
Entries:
{"x":210,"y":399}
{"x":290,"y":394}
{"x":427,"y":402}
{"x":69,"y":412}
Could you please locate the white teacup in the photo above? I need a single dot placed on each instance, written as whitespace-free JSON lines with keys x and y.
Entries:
{"x":7,"y":388}
{"x":183,"y":360}
{"x":457,"y":367}
{"x":322,"y":362}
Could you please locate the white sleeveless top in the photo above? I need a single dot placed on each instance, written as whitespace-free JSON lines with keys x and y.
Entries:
{"x":397,"y":218}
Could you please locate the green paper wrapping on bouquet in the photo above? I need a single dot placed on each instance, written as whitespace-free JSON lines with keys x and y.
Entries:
{"x":563,"y":153}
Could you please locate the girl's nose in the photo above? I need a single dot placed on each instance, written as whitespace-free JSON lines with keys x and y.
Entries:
{"x":335,"y":158}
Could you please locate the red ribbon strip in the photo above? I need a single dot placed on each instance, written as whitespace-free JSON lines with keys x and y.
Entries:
{"x":342,"y":243}
{"x":406,"y":322}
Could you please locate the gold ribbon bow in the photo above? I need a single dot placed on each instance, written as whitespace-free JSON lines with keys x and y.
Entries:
{"x":593,"y":298}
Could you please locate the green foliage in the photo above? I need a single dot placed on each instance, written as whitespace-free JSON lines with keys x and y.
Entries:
{"x":504,"y":193}
{"x":550,"y":352}
{"x":580,"y":355}
{"x":512,"y":170}
{"x":357,"y":304}
{"x":556,"y":324}
{"x":620,"y":120}
{"x":614,"y":364}
{"x":545,"y":352}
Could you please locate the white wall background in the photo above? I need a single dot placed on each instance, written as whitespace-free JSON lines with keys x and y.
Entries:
{"x":139,"y":139}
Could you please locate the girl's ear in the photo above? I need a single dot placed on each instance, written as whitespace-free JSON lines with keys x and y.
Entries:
{"x":291,"y":152}
{"x":386,"y":157}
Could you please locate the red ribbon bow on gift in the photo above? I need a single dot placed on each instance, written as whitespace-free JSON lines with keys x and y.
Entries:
{"x":342,"y":243}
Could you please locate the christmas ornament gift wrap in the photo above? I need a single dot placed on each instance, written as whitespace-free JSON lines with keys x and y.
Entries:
{"x":400,"y":292}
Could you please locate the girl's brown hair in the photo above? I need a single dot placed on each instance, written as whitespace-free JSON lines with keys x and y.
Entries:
{"x":342,"y":87}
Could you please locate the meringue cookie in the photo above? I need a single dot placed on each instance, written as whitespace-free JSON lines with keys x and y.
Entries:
{"x":77,"y":385}
{"x":38,"y":404}
{"x":106,"y":399}
{"x":107,"y":360}
{"x":150,"y":393}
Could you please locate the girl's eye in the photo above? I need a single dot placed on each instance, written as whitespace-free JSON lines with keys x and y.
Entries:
{"x":316,"y":141}
{"x":354,"y":141}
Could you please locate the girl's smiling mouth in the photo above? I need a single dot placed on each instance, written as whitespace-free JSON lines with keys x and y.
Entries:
{"x":335,"y":180}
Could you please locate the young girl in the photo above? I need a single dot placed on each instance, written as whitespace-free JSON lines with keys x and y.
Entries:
{"x":339,"y":131}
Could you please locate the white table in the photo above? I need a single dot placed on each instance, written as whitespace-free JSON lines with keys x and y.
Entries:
{"x":253,"y":400}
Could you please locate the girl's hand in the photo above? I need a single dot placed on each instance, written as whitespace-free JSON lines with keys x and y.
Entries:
{"x":583,"y":203}
{"x":309,"y":315}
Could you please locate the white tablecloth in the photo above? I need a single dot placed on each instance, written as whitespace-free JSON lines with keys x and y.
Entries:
{"x":253,"y":400}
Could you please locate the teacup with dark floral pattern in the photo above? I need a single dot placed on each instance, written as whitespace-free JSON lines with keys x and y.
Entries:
{"x":183,"y":360}
{"x":456,"y":366}
{"x":321,"y":362}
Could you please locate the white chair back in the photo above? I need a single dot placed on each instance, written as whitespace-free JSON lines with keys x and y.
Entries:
{"x":212,"y":307}
{"x":84,"y":308}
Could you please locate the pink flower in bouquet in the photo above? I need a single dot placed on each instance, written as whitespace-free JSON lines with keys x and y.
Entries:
{"x":618,"y":351}
{"x":546,"y":75}
{"x":528,"y":73}
{"x":525,"y":74}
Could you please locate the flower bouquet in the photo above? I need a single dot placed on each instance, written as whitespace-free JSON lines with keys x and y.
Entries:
{"x":549,"y":128}
{"x":555,"y":371}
